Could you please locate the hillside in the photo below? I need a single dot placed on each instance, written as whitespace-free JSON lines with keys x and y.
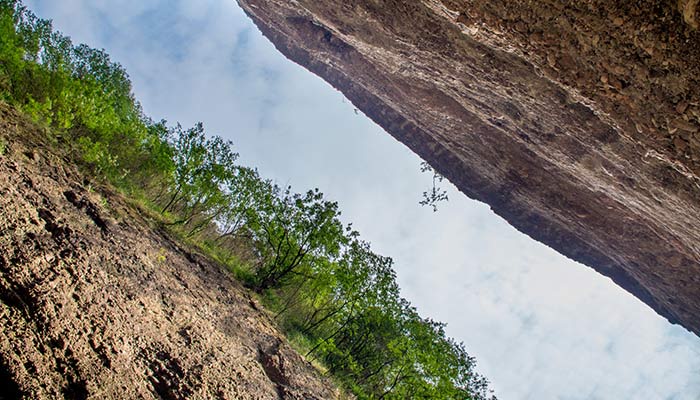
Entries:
{"x":104,"y":294}
{"x":577,"y":122}
{"x":97,"y":302}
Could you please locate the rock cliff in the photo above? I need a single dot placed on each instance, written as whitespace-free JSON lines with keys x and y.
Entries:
{"x":578,"y":122}
{"x":97,"y":303}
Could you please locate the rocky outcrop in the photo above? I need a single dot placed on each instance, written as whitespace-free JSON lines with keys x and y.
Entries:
{"x":97,"y":303}
{"x":578,"y":122}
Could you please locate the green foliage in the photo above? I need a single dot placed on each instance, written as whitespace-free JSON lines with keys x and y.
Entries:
{"x":3,"y":147}
{"x":292,"y":231}
{"x":329,"y":290}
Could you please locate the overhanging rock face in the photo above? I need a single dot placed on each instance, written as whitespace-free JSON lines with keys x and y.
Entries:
{"x":577,"y":123}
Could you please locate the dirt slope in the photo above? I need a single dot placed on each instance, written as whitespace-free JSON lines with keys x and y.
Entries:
{"x":578,"y":122}
{"x":94,"y":303}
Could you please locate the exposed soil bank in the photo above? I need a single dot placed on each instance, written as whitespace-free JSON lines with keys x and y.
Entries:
{"x":97,"y":303}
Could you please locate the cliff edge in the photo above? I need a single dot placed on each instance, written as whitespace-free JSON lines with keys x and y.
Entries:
{"x":576,"y":122}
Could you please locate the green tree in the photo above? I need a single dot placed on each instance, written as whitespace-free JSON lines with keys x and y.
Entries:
{"x":289,"y":229}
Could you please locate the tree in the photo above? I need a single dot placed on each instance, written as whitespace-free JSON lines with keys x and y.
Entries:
{"x":203,"y":168}
{"x":436,"y":194}
{"x":291,"y":228}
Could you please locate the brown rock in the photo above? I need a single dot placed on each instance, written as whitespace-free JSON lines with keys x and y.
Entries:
{"x":91,"y":308}
{"x":690,"y":11}
{"x":540,"y":186}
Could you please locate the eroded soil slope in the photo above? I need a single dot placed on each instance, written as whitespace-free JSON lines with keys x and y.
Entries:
{"x":95,"y":303}
{"x":578,"y":122}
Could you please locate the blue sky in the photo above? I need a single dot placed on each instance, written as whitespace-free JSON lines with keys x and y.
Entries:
{"x":540,"y":325}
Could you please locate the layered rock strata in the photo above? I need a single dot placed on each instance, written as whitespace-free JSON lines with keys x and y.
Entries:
{"x":577,"y":122}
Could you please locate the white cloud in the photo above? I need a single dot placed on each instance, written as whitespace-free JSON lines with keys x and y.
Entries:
{"x":541,"y":326}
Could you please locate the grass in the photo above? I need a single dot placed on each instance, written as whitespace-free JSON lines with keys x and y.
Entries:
{"x":150,"y":211}
{"x":302,"y":345}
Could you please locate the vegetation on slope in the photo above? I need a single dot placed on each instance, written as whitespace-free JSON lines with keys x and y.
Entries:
{"x":326,"y":286}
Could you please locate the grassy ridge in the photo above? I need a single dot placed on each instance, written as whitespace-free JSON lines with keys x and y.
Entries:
{"x":326,"y":286}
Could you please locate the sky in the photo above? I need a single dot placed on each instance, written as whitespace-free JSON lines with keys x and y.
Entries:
{"x":541,"y":326}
